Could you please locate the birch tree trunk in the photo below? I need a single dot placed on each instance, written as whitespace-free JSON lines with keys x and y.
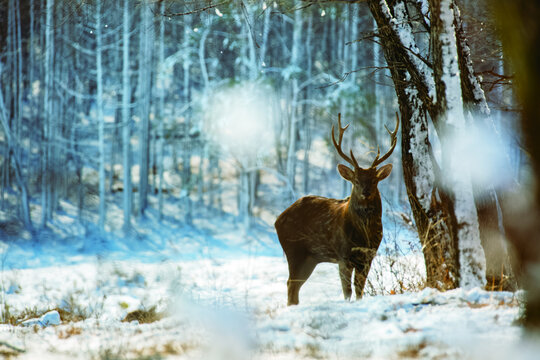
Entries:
{"x":265,"y":32}
{"x":161,"y":109}
{"x":295,"y":58}
{"x":306,"y":124}
{"x":47,"y":110}
{"x":144,"y":95}
{"x":186,"y":141}
{"x":127,"y":197}
{"x":100,"y":118}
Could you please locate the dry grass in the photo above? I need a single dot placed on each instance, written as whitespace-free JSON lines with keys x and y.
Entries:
{"x":11,"y":318}
{"x":69,"y":332}
{"x":67,"y":314}
{"x":412,"y":351}
{"x":156,"y":352}
{"x":144,"y":316}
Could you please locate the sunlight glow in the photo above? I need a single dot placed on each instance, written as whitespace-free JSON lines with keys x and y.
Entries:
{"x":484,"y":155}
{"x":240,"y":120}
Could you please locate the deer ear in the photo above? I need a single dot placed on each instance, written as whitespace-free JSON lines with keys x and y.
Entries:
{"x":384,"y":171}
{"x":345,"y":172}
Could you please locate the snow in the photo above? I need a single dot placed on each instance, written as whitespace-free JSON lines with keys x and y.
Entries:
{"x":424,"y":8}
{"x":234,"y":308}
{"x":424,"y":175}
{"x":47,"y":319}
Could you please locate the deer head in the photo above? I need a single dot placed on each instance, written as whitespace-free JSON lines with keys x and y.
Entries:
{"x":364,"y":180}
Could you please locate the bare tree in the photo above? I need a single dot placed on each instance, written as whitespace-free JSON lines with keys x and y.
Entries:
{"x":100,"y":119}
{"x":126,"y":119}
{"x":144,"y":95}
{"x":13,"y":155}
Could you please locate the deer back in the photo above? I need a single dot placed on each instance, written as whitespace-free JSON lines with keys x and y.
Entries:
{"x":313,"y":225}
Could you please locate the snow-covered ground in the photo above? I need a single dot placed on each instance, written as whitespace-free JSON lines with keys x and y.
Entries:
{"x":213,"y":291}
{"x":233,"y":307}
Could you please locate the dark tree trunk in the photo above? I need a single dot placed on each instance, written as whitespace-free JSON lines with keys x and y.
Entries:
{"x":521,"y":34}
{"x":499,"y":273}
{"x":433,"y":220}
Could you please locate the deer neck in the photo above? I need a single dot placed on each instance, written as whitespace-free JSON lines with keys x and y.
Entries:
{"x":365,"y":210}
{"x":365,"y":217}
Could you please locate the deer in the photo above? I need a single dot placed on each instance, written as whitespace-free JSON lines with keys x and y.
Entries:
{"x":348,"y":232}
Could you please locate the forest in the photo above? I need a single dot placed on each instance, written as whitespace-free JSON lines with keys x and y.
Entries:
{"x":147,"y":148}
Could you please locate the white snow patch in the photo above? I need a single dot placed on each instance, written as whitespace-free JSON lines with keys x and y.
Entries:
{"x":419,"y":135}
{"x":47,"y":319}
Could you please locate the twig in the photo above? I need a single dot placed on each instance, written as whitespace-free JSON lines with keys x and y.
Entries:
{"x":196,"y":11}
{"x":12,"y":347}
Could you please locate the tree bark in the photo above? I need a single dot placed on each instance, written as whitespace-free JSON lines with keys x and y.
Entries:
{"x":433,"y":219}
{"x":452,"y":123}
{"x":499,"y":272}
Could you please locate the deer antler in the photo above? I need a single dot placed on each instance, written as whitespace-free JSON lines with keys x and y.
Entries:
{"x":351,"y":160}
{"x":393,"y":137}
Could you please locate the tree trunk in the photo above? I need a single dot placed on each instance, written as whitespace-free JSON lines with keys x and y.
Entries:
{"x":161,"y":110}
{"x":499,"y":273}
{"x":126,"y":123}
{"x":452,"y":122}
{"x":100,"y":118}
{"x":144,"y":95}
{"x":295,"y":58}
{"x":186,"y":141}
{"x":47,"y":110}
{"x":432,"y":218}
{"x":306,"y":125}
{"x":520,"y":32}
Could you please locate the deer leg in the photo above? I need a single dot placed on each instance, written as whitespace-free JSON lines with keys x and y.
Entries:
{"x":299,"y":272}
{"x":345,"y":273}
{"x":360,"y":275}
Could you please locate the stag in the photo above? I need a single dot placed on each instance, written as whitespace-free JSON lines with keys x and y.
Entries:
{"x":348,"y":232}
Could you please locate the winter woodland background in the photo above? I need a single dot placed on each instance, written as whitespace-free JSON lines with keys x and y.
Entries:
{"x":159,"y":140}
